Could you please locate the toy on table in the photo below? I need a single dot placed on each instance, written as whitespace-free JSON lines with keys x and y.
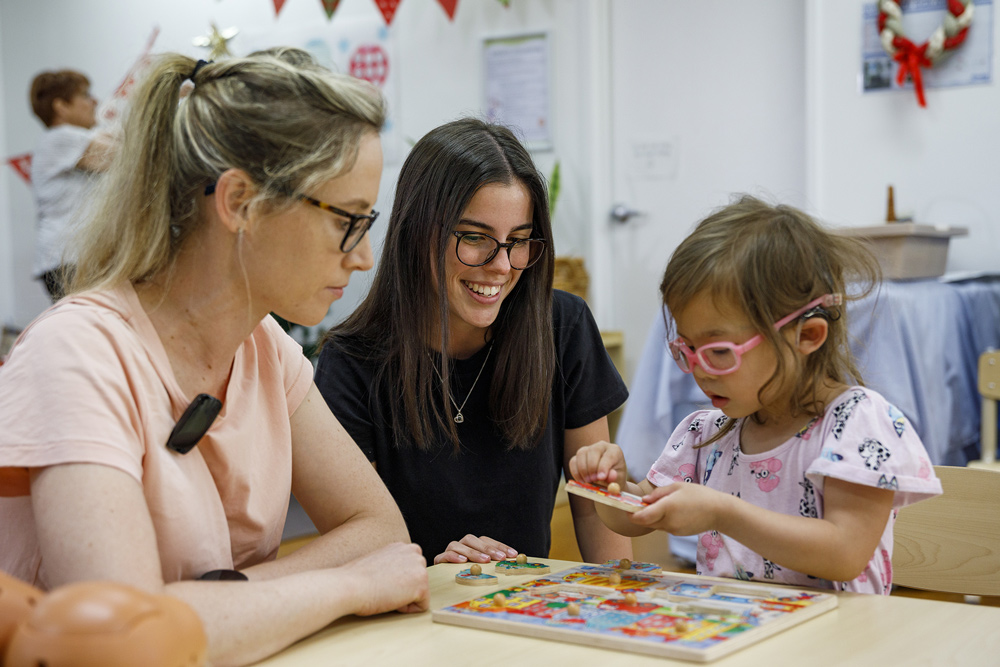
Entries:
{"x":520,"y":565}
{"x":623,"y":501}
{"x":626,"y":564}
{"x":668,"y":615}
{"x":96,"y":623}
{"x":474,"y":576}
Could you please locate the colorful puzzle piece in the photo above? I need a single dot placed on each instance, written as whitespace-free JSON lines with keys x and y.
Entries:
{"x":668,"y":615}
{"x":467,"y":578}
{"x":646,"y":568}
{"x":623,"y":501}
{"x":513,"y":567}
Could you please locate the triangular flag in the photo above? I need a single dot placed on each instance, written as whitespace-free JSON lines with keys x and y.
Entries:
{"x":330,"y":6}
{"x":449,"y":7}
{"x":22,"y":165}
{"x":388,"y":9}
{"x":278,"y":4}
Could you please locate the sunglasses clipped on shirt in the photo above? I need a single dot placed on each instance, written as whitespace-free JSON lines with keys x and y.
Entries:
{"x":723,"y":357}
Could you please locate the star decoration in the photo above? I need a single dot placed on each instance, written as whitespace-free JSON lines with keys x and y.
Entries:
{"x":217,"y":41}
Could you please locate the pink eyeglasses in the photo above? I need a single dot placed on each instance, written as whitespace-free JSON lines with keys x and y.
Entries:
{"x":723,"y":358}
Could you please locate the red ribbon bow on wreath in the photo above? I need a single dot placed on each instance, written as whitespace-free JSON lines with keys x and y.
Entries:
{"x":912,"y":57}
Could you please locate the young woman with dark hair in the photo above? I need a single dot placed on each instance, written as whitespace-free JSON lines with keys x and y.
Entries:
{"x":466,"y":380}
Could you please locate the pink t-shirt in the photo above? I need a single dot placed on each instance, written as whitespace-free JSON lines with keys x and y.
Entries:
{"x":89,"y":382}
{"x":861,"y":438}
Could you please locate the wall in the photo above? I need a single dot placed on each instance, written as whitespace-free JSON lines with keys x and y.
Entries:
{"x":941,"y":160}
{"x":726,"y":97}
{"x":439,"y":63}
{"x":6,"y":247}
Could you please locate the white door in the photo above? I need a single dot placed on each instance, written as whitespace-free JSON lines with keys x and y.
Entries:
{"x":707,"y":99}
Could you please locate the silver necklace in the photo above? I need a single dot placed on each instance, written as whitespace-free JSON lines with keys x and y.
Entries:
{"x":458,"y":416}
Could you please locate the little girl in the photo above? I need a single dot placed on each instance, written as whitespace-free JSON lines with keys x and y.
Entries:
{"x":796,"y":474}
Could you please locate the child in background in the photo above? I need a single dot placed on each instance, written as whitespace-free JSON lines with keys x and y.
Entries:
{"x":796,"y":474}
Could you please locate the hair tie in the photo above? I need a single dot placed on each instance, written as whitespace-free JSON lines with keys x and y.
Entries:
{"x":197,"y":67}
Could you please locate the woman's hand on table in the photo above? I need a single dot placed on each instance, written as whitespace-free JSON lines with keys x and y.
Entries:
{"x":474,"y":549}
{"x":391,"y":578}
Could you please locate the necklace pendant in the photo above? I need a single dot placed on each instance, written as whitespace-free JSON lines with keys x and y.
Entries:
{"x":459,"y":418}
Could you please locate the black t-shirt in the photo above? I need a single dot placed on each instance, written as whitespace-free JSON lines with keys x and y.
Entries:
{"x":486,"y":488}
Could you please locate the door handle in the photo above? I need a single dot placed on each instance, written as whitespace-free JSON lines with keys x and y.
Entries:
{"x":621,"y":213}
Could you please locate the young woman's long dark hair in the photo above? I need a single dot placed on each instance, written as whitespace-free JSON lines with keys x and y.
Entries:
{"x":408,"y":303}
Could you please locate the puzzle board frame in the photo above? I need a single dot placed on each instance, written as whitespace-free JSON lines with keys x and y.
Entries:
{"x":676,"y":615}
{"x":600,"y":494}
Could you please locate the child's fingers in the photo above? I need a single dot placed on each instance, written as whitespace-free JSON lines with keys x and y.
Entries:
{"x":583,"y":466}
{"x":611,"y":460}
{"x":661,"y":492}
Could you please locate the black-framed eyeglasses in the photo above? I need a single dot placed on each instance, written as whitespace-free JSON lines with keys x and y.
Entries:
{"x":357,"y":226}
{"x":478,"y":249}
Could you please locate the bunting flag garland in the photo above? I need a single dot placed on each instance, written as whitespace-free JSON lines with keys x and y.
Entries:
{"x":110,"y":110}
{"x":449,"y":8}
{"x":912,"y":57}
{"x":388,"y":9}
{"x":371,"y":63}
{"x":22,"y":165}
{"x":278,"y":4}
{"x":329,"y":6}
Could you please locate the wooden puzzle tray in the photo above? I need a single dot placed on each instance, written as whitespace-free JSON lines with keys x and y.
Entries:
{"x":668,"y":615}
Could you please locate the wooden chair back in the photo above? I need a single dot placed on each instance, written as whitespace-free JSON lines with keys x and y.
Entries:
{"x":951,"y":543}
{"x":989,"y":390}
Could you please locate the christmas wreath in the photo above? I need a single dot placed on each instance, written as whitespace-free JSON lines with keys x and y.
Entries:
{"x":911,"y":57}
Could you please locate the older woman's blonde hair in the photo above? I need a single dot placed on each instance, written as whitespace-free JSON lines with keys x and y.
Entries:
{"x":280,"y":117}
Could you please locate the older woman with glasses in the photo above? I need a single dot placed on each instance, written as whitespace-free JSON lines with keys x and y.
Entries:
{"x":464,"y":378}
{"x":154,"y":422}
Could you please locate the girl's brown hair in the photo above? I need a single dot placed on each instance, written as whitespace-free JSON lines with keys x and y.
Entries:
{"x":767,"y":261}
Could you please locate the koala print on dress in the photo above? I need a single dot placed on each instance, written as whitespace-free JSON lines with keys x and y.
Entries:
{"x":765,"y":473}
{"x":874,"y":453}
{"x":842,"y":412}
{"x":769,"y":569}
{"x":807,"y":504}
{"x":721,"y":421}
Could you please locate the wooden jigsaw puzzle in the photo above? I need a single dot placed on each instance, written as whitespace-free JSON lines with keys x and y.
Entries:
{"x":599,"y":494}
{"x":668,"y":615}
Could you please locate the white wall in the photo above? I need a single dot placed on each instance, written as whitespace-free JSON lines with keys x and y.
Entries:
{"x":942,"y":160}
{"x":722,"y":83}
{"x":6,"y":247}
{"x":439,"y":64}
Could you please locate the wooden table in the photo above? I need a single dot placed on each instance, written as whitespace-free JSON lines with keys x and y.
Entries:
{"x":863,"y":630}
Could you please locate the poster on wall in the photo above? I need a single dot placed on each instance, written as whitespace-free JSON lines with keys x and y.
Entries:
{"x":363,"y":47}
{"x":970,"y":64}
{"x":516,"y":88}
